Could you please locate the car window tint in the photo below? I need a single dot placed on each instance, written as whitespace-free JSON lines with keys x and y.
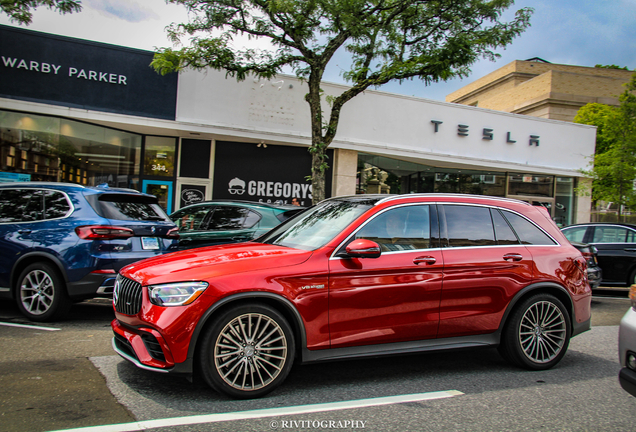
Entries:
{"x":55,"y":205}
{"x":227,"y":218}
{"x":527,"y":232}
{"x":251,"y":219}
{"x":403,"y":228}
{"x":575,"y":234}
{"x":130,"y":207}
{"x":469,"y":226}
{"x":610,"y":234}
{"x":20,"y":205}
{"x":503,"y":232}
{"x":191,"y":219}
{"x":631,"y":236}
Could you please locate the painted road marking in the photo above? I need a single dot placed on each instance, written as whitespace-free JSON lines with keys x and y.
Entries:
{"x":264,"y":413}
{"x":29,"y":326}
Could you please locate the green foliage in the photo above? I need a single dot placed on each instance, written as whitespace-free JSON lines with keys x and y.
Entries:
{"x":611,"y":67}
{"x":387,"y":40}
{"x":19,"y":11}
{"x":614,"y":166}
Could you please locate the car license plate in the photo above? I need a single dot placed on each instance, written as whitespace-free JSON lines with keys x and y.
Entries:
{"x":149,"y":243}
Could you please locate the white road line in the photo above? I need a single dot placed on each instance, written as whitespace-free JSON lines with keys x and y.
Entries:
{"x":264,"y":413}
{"x":29,"y":326}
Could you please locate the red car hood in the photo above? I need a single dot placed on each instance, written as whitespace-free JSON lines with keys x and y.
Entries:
{"x":208,"y":262}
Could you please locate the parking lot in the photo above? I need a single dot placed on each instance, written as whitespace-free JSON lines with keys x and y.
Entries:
{"x":65,"y":375}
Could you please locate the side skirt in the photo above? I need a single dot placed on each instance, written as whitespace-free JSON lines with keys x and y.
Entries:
{"x":478,"y":341}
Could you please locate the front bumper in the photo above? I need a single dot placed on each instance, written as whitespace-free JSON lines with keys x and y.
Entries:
{"x":146,"y":349}
{"x":627,"y":379}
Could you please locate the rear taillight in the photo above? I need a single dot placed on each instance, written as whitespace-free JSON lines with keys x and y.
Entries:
{"x":173,"y":233}
{"x":101,"y":232}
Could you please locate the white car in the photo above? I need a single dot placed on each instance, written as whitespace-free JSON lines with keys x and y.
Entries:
{"x":627,"y":347}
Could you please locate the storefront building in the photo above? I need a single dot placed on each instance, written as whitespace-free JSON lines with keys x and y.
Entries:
{"x":91,"y":113}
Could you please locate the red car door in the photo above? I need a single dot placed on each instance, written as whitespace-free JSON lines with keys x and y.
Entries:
{"x":482,"y":272}
{"x":394,"y":297}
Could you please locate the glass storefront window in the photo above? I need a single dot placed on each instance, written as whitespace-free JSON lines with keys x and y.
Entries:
{"x":564,"y":206}
{"x":531,"y":185}
{"x":41,"y":148}
{"x":159,"y":156}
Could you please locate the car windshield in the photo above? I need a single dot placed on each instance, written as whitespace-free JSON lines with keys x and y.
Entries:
{"x":316,"y":226}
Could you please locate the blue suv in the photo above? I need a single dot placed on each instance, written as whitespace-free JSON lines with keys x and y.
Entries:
{"x":61,"y":242}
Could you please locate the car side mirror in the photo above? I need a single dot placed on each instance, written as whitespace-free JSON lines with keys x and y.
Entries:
{"x":363,"y":248}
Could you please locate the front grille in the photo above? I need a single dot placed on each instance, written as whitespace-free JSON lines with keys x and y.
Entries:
{"x":127,"y":296}
{"x":153,"y":347}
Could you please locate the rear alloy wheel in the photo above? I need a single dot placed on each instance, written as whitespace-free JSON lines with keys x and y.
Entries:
{"x":537,"y":334}
{"x":41,"y":293}
{"x":247,"y":352}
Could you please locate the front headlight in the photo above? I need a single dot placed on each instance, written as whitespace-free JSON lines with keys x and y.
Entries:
{"x":176,"y":294}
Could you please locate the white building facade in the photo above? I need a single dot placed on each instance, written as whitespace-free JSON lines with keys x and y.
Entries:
{"x":73,"y":110}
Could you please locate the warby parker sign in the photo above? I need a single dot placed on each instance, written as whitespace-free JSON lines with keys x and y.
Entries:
{"x":271,"y":174}
{"x":70,"y":72}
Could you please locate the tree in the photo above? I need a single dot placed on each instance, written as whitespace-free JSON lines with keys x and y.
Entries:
{"x":386,"y":40}
{"x":20,"y":10}
{"x":614,"y":169}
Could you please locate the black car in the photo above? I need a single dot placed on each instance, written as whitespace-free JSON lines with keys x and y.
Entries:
{"x":218,"y":222}
{"x":594,"y":272}
{"x":616,"y":245}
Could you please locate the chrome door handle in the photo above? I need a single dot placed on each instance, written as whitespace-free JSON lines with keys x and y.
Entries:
{"x":513,"y":257}
{"x":424,"y":259}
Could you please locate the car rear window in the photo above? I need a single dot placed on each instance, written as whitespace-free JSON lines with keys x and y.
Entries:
{"x":127,"y":207}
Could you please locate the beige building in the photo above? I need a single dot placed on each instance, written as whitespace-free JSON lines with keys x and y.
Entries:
{"x":540,"y":89}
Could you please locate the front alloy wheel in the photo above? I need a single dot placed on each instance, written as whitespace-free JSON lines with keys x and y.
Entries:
{"x":248,"y":351}
{"x":537,"y":334}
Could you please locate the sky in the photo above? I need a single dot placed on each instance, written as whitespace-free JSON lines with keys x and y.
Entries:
{"x":573,"y":32}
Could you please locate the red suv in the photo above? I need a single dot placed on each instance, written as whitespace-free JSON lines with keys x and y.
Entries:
{"x":358,"y":276}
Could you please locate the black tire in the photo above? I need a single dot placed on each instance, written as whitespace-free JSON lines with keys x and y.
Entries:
{"x":537,"y":334}
{"x":247,"y":352}
{"x":41,"y":293}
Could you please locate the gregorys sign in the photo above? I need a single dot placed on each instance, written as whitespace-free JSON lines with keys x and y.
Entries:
{"x":71,"y":72}
{"x":271,"y":174}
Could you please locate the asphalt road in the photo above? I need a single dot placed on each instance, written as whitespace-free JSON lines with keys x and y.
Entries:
{"x":69,"y":378}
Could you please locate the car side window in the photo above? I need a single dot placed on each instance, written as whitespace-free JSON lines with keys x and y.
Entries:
{"x":400,"y":229}
{"x":191,"y":219}
{"x":251,"y":219}
{"x":469,"y":226}
{"x":610,"y":234}
{"x":228,"y":218}
{"x":631,"y":236}
{"x":55,"y":205}
{"x":528,"y":233}
{"x":575,"y":234}
{"x":20,"y":205}
{"x":503,"y":233}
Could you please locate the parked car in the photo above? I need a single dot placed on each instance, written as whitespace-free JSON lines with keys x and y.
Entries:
{"x":627,"y":347}
{"x":217,"y":222}
{"x":358,"y":276}
{"x":594,"y":272}
{"x":616,"y":245}
{"x":62,"y":242}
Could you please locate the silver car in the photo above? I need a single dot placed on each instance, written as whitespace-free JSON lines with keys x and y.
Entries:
{"x":627,"y":347}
